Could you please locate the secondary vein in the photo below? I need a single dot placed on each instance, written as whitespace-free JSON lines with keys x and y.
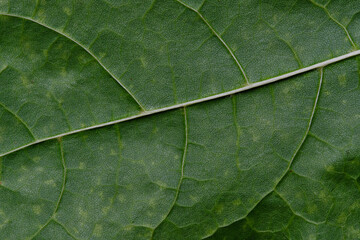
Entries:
{"x":19,"y":119}
{"x":61,"y":191}
{"x":219,"y":37}
{"x":182,"y":171}
{"x":189,"y":103}
{"x":301,"y":142}
{"x":83,"y":47}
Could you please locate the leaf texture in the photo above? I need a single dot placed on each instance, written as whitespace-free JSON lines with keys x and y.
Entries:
{"x":179,"y":119}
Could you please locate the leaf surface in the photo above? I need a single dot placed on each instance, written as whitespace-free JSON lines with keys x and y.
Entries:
{"x":179,"y":119}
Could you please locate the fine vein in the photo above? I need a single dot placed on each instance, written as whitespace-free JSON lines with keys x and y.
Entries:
{"x":219,"y":37}
{"x":20,"y":120}
{"x":185,"y":104}
{"x":308,"y":127}
{"x":182,"y":171}
{"x":83,"y":47}
{"x":61,"y":191}
{"x":336,"y":21}
{"x":300,"y":144}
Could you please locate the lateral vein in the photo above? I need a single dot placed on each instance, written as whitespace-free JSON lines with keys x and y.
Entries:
{"x":52,"y":217}
{"x":335,"y":21}
{"x":83,"y":47}
{"x":300,"y":144}
{"x":219,"y":37}
{"x":182,"y":171}
{"x":19,"y":119}
{"x":189,"y":103}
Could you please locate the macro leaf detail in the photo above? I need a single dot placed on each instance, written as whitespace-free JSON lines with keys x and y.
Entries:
{"x":179,"y":119}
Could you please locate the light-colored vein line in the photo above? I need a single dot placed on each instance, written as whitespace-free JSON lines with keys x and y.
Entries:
{"x":308,"y":127}
{"x":238,"y":132}
{"x":83,"y":47}
{"x":61,"y":191}
{"x":182,"y":171}
{"x":66,"y":230}
{"x":1,"y":166}
{"x":219,"y":37}
{"x":301,"y":142}
{"x":19,"y":119}
{"x":4,"y":68}
{"x":293,"y":157}
{"x":336,"y":21}
{"x":117,"y":184}
{"x":59,"y":105}
{"x":296,"y":213}
{"x":189,"y":103}
{"x":286,"y":42}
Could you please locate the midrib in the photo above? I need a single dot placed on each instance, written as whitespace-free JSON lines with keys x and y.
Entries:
{"x":185,"y":104}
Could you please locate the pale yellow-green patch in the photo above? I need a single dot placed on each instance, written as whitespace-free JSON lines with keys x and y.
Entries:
{"x":155,"y":130}
{"x":67,"y":11}
{"x":20,"y":179}
{"x":83,"y":59}
{"x":50,"y":182}
{"x":312,"y":237}
{"x":105,"y":210}
{"x":128,"y":228}
{"x":84,"y":214}
{"x":101,"y":195}
{"x":49,"y":95}
{"x":237,"y":202}
{"x":24,"y":80}
{"x":210,"y":231}
{"x":152,"y":202}
{"x":98,"y":180}
{"x":354,"y":232}
{"x":255,"y":137}
{"x":323,"y":195}
{"x":330,"y":168}
{"x":98,"y":230}
{"x":342,"y":218}
{"x":63,"y":72}
{"x":102,"y":54}
{"x":121,"y":198}
{"x":161,"y":184}
{"x":113,"y":152}
{"x":219,"y":208}
{"x":81,"y":165}
{"x":286,"y":90}
{"x":312,"y":208}
{"x":41,"y":15}
{"x":36,"y":159}
{"x":193,"y":198}
{"x":342,"y":80}
{"x":39,"y":169}
{"x":354,"y":206}
{"x":143,"y":61}
{"x":37,"y":209}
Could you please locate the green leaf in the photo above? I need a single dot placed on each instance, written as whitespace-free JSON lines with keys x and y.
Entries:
{"x":137,"y":119}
